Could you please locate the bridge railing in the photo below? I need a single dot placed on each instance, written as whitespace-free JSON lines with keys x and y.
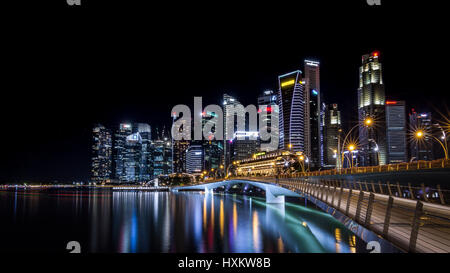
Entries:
{"x":413,"y":225}
{"x":416,"y":165}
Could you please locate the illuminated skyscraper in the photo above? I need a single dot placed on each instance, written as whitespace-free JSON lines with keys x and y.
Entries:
{"x":242,"y":146}
{"x":132,"y":153}
{"x":120,"y":141}
{"x":162,"y":156}
{"x":331,"y":133}
{"x":194,"y":159}
{"x":291,"y":102}
{"x":314,"y":115}
{"x":101,"y":154}
{"x":396,"y":131}
{"x":371,"y":97}
{"x":229,"y":103}
{"x":269,"y":99}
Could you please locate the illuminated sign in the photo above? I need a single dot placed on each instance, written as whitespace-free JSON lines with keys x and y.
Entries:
{"x":391,"y":102}
{"x":288,"y":83}
{"x":261,"y":153}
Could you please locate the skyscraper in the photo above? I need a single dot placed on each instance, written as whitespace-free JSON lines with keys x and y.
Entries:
{"x":101,"y":154}
{"x":242,"y":147}
{"x":132,"y":153}
{"x":371,"y":99}
{"x":229,"y":103}
{"x":422,"y":149}
{"x":331,"y":132}
{"x":314,"y":114}
{"x":269,"y":99}
{"x":194,"y":159}
{"x":120,"y":141}
{"x":291,"y":102}
{"x":396,"y":131}
{"x":162,"y":156}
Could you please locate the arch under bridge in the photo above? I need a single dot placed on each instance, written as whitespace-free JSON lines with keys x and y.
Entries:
{"x":274,"y":193}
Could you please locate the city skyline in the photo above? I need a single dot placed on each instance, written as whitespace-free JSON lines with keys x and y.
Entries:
{"x":137,"y":84}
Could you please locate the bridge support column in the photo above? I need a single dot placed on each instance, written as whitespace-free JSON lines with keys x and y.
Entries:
{"x":272,"y":199}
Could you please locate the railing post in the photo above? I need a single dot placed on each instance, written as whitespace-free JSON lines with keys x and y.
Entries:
{"x":387,"y":217}
{"x":415,"y":227}
{"x":440,"y":195}
{"x":389,"y":188}
{"x":358,"y":206}
{"x":332,"y":197}
{"x":321,"y":192}
{"x":373,"y":187}
{"x":381,"y":188}
{"x":367,"y":187}
{"x":360,"y":186}
{"x":348,"y":202}
{"x":399,"y":190}
{"x":411,"y":191}
{"x":369,"y":209}
{"x":425,"y":197}
{"x":340,"y":197}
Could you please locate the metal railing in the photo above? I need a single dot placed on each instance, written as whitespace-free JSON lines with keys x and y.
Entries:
{"x":411,"y":224}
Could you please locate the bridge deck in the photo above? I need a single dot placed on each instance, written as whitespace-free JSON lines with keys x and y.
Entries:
{"x":431,"y":226}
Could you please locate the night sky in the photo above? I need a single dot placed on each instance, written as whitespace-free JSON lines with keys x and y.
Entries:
{"x":67,"y":68}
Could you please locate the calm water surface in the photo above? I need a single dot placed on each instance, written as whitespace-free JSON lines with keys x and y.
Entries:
{"x":128,"y":222}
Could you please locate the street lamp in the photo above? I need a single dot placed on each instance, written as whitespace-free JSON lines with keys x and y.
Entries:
{"x":421,"y":134}
{"x":368,"y":122}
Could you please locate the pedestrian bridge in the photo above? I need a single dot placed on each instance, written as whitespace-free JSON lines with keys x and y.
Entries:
{"x":274,"y":193}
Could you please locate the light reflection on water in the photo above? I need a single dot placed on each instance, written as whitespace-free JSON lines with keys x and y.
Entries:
{"x":130,"y":222}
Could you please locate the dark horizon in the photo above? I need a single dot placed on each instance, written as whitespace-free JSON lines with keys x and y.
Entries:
{"x":65,"y":74}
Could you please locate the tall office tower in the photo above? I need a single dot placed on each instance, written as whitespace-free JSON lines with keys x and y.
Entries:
{"x":315,"y":111}
{"x":228,"y":103}
{"x":146,"y":163}
{"x":213,"y":151}
{"x":101,"y":154}
{"x":242,"y":147}
{"x":194,"y":159}
{"x":423,"y":149}
{"x":162,"y":156}
{"x":371,"y":97}
{"x":396,"y":131}
{"x":132,"y":153}
{"x":269,"y":99}
{"x":120,"y":141}
{"x":179,"y":148}
{"x":331,"y":132}
{"x":291,"y":103}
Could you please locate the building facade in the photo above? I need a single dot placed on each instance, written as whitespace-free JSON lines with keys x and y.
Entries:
{"x":194,"y":159}
{"x":396,"y":132}
{"x":291,"y":103}
{"x":331,"y":132}
{"x":371,"y":101}
{"x":269,"y":100}
{"x":132,"y":153}
{"x":314,"y":115}
{"x":101,"y":168}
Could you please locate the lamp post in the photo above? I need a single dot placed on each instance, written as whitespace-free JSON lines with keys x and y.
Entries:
{"x":368,"y":122}
{"x":421,"y":134}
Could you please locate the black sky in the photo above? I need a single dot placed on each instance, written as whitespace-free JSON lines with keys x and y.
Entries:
{"x":66,"y":68}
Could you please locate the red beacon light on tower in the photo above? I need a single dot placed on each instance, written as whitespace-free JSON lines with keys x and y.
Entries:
{"x":376,"y":54}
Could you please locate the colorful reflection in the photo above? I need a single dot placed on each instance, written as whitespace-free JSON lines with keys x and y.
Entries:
{"x":135,"y":222}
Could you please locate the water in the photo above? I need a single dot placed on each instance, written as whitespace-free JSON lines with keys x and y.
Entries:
{"x":129,"y":222}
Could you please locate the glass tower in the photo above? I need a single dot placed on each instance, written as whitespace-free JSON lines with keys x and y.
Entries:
{"x":371,"y":99}
{"x":291,"y":103}
{"x":101,"y":154}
